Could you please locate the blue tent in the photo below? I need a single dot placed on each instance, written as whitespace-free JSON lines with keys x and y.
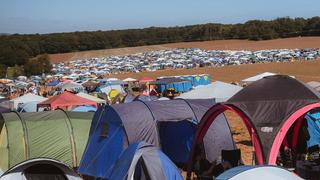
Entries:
{"x":144,"y":160}
{"x":85,"y":109}
{"x":196,"y":80}
{"x":53,"y":83}
{"x":170,"y":125}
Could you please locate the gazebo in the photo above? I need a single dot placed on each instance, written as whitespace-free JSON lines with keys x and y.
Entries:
{"x":64,"y":101}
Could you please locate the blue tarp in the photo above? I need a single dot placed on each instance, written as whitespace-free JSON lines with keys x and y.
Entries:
{"x":313,"y":121}
{"x":53,"y":83}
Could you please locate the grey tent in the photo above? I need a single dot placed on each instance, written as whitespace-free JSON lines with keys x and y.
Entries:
{"x":40,"y":168}
{"x":144,"y":161}
{"x":168,"y":124}
{"x":269,"y":107}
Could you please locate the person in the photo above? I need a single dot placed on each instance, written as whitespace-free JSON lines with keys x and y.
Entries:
{"x":206,"y":170}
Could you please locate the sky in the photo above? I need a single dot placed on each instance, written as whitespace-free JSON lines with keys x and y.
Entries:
{"x":48,"y":16}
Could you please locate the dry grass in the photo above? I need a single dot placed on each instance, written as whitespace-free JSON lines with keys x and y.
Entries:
{"x":289,"y":43}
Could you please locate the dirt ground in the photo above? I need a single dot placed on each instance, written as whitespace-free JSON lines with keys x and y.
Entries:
{"x":302,"y":70}
{"x":289,"y":43}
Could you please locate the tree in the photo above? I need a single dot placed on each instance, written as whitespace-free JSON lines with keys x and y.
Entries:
{"x":38,"y":65}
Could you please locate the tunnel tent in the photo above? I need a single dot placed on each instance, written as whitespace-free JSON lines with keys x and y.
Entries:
{"x":56,"y":134}
{"x":269,"y":107}
{"x":167,"y":124}
{"x":257,"y":172}
{"x":144,"y":161}
{"x":41,"y":168}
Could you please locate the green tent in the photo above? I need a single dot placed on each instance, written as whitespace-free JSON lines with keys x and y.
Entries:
{"x":59,"y":135}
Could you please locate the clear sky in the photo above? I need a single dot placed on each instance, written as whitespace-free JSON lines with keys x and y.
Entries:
{"x":46,"y":16}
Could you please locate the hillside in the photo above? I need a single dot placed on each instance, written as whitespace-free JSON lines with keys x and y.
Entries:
{"x":289,"y":43}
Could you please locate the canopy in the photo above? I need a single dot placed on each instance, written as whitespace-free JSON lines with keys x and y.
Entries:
{"x":167,"y":124}
{"x":315,"y":85}
{"x":220,"y":91}
{"x":269,"y":107}
{"x":40,"y":168}
{"x":92,"y":98}
{"x":66,"y":99}
{"x":145,"y":79}
{"x":56,"y":134}
{"x":29,"y":97}
{"x":142,"y":160}
{"x":257,"y":172}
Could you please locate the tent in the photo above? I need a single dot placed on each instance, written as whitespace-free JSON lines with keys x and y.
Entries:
{"x":28,"y":107}
{"x":53,"y":83}
{"x":130,"y":80}
{"x":220,"y":91}
{"x":56,"y":134}
{"x":29,"y":97}
{"x":41,"y":168}
{"x":257,"y":77}
{"x":90,"y":85}
{"x":269,"y":107}
{"x":84,"y":109}
{"x":92,"y":98}
{"x":71,"y":86}
{"x":258,"y":172}
{"x":179,"y":85}
{"x":145,"y":79}
{"x":313,"y":127}
{"x":65,"y":100}
{"x":315,"y":85}
{"x":167,"y":124}
{"x":4,"y":105}
{"x":144,"y":161}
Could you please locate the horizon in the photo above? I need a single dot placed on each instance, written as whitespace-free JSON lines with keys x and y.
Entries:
{"x":44,"y":17}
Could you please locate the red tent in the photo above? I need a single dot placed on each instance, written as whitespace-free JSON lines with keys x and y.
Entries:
{"x":66,"y":99}
{"x":145,"y":79}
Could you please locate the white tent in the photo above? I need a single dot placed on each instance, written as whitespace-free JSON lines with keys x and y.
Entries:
{"x":1,"y":172}
{"x":258,"y":172}
{"x":40,"y":168}
{"x":92,"y":98}
{"x":1,"y":97}
{"x":129,"y":80}
{"x":25,"y":99}
{"x":257,"y":77}
{"x":220,"y":91}
{"x":71,"y":86}
{"x":315,"y":85}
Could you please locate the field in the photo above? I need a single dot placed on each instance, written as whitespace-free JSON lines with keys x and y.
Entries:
{"x":289,"y":43}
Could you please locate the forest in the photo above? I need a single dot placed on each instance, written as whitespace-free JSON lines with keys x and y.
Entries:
{"x":22,"y":50}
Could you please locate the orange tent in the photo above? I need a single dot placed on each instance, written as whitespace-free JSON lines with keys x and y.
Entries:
{"x":65,"y":100}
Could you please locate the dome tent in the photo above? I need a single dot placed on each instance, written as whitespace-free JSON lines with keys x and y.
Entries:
{"x":268,"y":107}
{"x":168,"y":124}
{"x":56,"y":134}
{"x":257,"y":172}
{"x":40,"y":168}
{"x":144,"y":161}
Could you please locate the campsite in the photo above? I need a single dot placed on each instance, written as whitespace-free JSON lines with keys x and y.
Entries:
{"x":159,"y":90}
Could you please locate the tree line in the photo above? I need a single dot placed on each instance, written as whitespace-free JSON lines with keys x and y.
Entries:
{"x":20,"y":50}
